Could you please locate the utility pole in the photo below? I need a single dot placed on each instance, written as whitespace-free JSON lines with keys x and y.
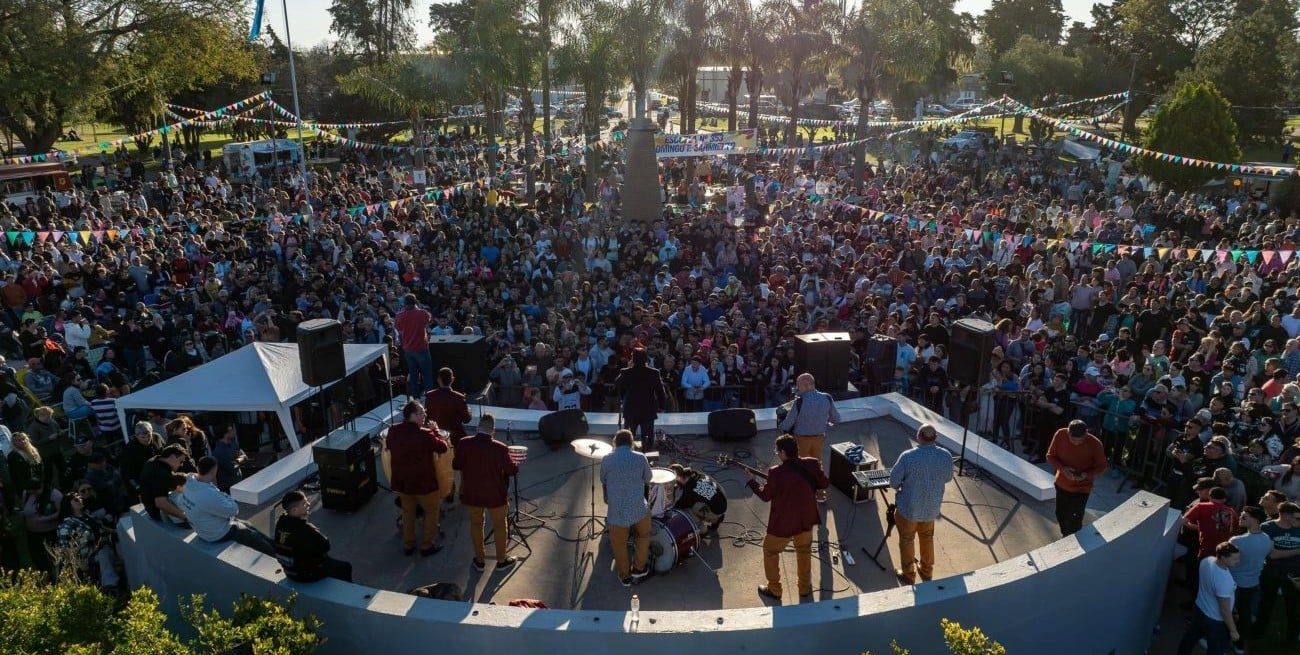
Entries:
{"x":1128,"y":100}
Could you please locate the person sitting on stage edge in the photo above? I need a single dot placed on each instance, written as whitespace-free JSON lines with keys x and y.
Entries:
{"x":486,"y":468}
{"x":156,"y":483}
{"x":643,"y":393}
{"x":1079,"y":457}
{"x":919,"y":475}
{"x":301,"y":546}
{"x":813,"y":412}
{"x":701,"y":495}
{"x":408,"y":458}
{"x":791,"y":489}
{"x":212,"y":513}
{"x":624,"y":475}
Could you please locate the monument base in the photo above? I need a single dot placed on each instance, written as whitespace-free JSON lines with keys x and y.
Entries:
{"x":641,"y":197}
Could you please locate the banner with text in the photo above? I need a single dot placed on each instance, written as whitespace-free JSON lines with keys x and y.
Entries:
{"x":704,"y":144}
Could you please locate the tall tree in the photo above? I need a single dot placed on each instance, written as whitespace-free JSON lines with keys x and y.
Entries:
{"x":417,"y":85}
{"x":57,"y":56}
{"x":883,"y":43}
{"x":645,"y":30}
{"x":1041,"y":70}
{"x":377,"y":29}
{"x":736,"y":19}
{"x":591,"y":59}
{"x":1006,"y":21}
{"x":1197,"y":122}
{"x":693,"y":39}
{"x":803,"y":34}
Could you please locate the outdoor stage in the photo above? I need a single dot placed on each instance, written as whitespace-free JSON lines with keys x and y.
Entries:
{"x":981,"y":525}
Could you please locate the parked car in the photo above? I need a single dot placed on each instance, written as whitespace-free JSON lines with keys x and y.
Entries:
{"x":938,"y":110}
{"x":967,"y":140}
{"x":966,"y":104}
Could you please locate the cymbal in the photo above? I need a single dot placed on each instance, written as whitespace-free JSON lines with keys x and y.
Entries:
{"x":662,"y":476}
{"x":593,"y":448}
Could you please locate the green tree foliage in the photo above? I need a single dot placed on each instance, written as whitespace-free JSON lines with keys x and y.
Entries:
{"x":1248,"y":63}
{"x":375,"y":29}
{"x":1005,"y":22}
{"x":58,"y":57}
{"x":591,"y":58}
{"x":803,"y":34}
{"x":960,"y":641}
{"x":645,"y":31}
{"x":1197,"y":122}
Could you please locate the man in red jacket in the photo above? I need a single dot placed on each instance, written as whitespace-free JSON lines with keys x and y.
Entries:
{"x":447,"y":408}
{"x":486,"y":468}
{"x":409,"y":453}
{"x":1078,"y":457}
{"x":792,"y":491}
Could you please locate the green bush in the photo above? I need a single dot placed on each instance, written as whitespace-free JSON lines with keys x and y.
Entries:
{"x":960,"y":641}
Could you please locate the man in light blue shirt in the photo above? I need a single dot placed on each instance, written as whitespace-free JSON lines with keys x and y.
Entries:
{"x":624,"y":474}
{"x":812,"y":413}
{"x":919,"y":475}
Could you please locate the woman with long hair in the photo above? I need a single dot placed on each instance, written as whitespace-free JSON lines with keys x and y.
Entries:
{"x":86,"y":541}
{"x":25,"y":463}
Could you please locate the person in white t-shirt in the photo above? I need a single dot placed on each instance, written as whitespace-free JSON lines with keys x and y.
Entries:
{"x":1212,"y":618}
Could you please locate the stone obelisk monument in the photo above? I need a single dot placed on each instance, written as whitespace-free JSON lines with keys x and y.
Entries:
{"x":641,"y":181}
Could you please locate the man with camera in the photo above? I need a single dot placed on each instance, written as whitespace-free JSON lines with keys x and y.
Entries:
{"x":569,"y":392}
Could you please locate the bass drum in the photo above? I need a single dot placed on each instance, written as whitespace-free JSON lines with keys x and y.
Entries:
{"x":672,"y":538}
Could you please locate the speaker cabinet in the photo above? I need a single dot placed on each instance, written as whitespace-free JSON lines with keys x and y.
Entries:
{"x":320,"y":351}
{"x":826,"y":356}
{"x":562,"y":427}
{"x":466,"y":355}
{"x":879,"y":362}
{"x":969,"y":348}
{"x":346,"y":464}
{"x":737,"y":424}
{"x":842,"y":469}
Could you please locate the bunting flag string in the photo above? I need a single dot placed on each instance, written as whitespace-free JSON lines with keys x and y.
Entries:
{"x":109,"y":145}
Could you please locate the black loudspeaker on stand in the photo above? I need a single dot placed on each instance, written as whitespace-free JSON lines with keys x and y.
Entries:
{"x":320,"y":351}
{"x":562,"y":427}
{"x":736,"y":424}
{"x":346,"y":464}
{"x":826,"y":356}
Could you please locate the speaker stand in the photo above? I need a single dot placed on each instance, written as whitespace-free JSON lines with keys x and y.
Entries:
{"x":961,"y":461}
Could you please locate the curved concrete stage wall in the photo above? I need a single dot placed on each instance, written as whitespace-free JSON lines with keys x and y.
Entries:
{"x":1094,"y":593}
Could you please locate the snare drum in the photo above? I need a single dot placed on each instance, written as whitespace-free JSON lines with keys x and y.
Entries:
{"x":663,"y":490}
{"x":518,"y":454}
{"x":672,"y":539}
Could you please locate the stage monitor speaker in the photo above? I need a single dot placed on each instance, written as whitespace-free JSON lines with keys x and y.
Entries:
{"x":879,"y":362}
{"x":320,"y":351}
{"x":466,"y":355}
{"x":346,"y":464}
{"x":969,"y":348}
{"x":736,"y":424}
{"x":562,"y":427}
{"x":842,"y":468}
{"x":825,"y":355}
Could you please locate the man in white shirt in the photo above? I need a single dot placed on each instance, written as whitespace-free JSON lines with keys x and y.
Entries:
{"x":212,"y":513}
{"x":1212,"y":618}
{"x":695,"y":379}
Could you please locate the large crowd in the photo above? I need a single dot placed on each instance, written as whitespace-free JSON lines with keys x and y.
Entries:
{"x":1188,"y":365}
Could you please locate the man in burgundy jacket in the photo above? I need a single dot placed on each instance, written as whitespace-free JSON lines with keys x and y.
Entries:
{"x":408,"y":457}
{"x":486,"y":468}
{"x":447,"y":408}
{"x":792,"y":489}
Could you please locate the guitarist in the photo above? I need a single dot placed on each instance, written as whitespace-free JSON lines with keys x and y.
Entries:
{"x":919,"y":475}
{"x":791,"y":489}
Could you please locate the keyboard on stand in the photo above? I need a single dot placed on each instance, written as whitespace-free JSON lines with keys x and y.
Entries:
{"x":872,"y":479}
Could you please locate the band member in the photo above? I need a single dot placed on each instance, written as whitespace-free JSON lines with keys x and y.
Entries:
{"x":301,"y":545}
{"x":643,"y":394}
{"x":812,"y":413}
{"x":791,"y":489}
{"x":408,"y":457}
{"x":701,"y":495}
{"x":447,"y":407}
{"x":1079,"y":458}
{"x":486,"y":469}
{"x":624,"y":475}
{"x":919,"y":475}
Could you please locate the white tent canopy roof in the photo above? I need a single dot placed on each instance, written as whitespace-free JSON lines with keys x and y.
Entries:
{"x":258,"y":377}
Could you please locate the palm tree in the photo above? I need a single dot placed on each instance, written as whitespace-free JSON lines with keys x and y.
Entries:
{"x":803,"y":34}
{"x":591,"y":58}
{"x":645,"y":29}
{"x":760,"y":53}
{"x":883,"y":42}
{"x":692,"y":42}
{"x":416,"y":84}
{"x":735,"y":21}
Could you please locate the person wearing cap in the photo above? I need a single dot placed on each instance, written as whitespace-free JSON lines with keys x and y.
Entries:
{"x":412,"y":325}
{"x":1282,"y":570}
{"x":569,"y":392}
{"x":1078,"y":458}
{"x":301,"y":546}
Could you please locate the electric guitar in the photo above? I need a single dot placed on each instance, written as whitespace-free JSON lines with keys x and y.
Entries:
{"x":726,"y":460}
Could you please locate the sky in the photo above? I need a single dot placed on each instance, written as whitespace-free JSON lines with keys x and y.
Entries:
{"x":310,"y":23}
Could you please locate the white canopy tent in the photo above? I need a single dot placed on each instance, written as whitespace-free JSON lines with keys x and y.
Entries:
{"x":263,"y":377}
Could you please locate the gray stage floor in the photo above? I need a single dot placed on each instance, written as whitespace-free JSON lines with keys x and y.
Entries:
{"x":981,"y":525}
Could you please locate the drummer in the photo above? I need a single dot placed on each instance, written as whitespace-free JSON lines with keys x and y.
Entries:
{"x":701,"y":495}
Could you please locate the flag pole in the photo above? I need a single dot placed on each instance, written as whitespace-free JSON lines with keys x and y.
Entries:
{"x":293,"y":81}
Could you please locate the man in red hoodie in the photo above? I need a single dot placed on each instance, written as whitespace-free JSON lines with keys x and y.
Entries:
{"x":1079,"y":458}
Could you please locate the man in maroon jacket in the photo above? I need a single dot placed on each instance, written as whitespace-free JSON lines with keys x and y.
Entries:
{"x":486,"y":468}
{"x":408,"y":457}
{"x":792,"y":490}
{"x":447,"y":408}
